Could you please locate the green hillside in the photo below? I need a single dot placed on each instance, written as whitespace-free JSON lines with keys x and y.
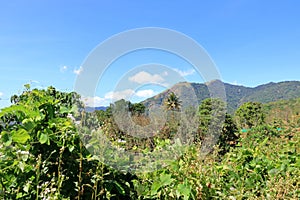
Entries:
{"x":285,"y":110}
{"x":235,"y":94}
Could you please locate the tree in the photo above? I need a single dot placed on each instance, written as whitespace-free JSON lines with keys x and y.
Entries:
{"x":250,"y":114}
{"x":228,"y":137}
{"x":172,"y":102}
{"x":121,"y":106}
{"x":215,"y":124}
{"x":137,"y":109}
{"x":211,"y":115}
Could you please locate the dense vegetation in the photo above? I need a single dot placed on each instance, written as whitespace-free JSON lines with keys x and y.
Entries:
{"x":43,"y":156}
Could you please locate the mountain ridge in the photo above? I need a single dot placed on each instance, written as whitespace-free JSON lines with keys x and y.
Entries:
{"x":193,"y":93}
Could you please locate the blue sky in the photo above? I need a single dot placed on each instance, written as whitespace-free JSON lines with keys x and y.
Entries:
{"x":45,"y":42}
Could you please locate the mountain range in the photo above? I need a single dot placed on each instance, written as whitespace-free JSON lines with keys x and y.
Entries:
{"x":191,"y":94}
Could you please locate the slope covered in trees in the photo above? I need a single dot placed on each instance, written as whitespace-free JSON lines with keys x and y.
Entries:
{"x":235,"y":94}
{"x":287,"y":111}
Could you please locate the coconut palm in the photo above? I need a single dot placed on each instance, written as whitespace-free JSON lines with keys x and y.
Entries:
{"x":172,"y":102}
{"x":172,"y":105}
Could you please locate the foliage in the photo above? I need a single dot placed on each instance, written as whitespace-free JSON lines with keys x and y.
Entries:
{"x":215,"y":123}
{"x":42,"y":154}
{"x":137,"y":108}
{"x":260,"y":167}
{"x":250,"y":114}
{"x":212,"y":114}
{"x":274,"y":92}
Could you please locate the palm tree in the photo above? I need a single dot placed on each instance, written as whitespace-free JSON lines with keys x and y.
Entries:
{"x":172,"y":102}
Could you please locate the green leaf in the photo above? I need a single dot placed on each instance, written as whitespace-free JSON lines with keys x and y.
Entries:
{"x":43,"y":138}
{"x":13,"y":109}
{"x":26,"y":187}
{"x":64,"y":109}
{"x":166,"y":179}
{"x":22,"y":166}
{"x":47,"y":109}
{"x":154,"y":188}
{"x":184,"y":190}
{"x":6,"y":138}
{"x":20,"y":136}
{"x":19,"y":195}
{"x":71,"y":148}
{"x":28,"y":124}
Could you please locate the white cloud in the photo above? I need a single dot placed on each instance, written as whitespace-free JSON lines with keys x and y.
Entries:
{"x":94,"y":101}
{"x":144,"y":77}
{"x":108,"y":97}
{"x":63,"y":69}
{"x":184,"y":73}
{"x":125,"y":94}
{"x":78,"y":71}
{"x":34,"y":81}
{"x":144,"y":93}
{"x":116,"y":95}
{"x":1,"y":94}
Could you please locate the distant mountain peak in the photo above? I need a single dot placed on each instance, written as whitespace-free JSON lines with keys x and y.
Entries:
{"x":215,"y":81}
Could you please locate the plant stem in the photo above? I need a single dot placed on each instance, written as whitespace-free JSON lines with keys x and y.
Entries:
{"x":80,"y":170}
{"x":38,"y":172}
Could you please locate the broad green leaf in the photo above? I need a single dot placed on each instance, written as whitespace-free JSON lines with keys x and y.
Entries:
{"x":20,"y":136}
{"x":154,"y":188}
{"x":184,"y":190}
{"x":19,"y":195}
{"x":13,"y":109}
{"x":165,"y":179}
{"x":64,"y":109}
{"x":43,"y":138}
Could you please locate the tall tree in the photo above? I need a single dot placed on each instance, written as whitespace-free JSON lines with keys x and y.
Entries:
{"x":250,"y":114}
{"x":211,"y":115}
{"x":172,"y":104}
{"x":215,"y":124}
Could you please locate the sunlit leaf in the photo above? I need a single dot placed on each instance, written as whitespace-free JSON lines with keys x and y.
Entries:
{"x":20,"y":136}
{"x":43,"y":138}
{"x":155,"y":187}
{"x":166,"y":179}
